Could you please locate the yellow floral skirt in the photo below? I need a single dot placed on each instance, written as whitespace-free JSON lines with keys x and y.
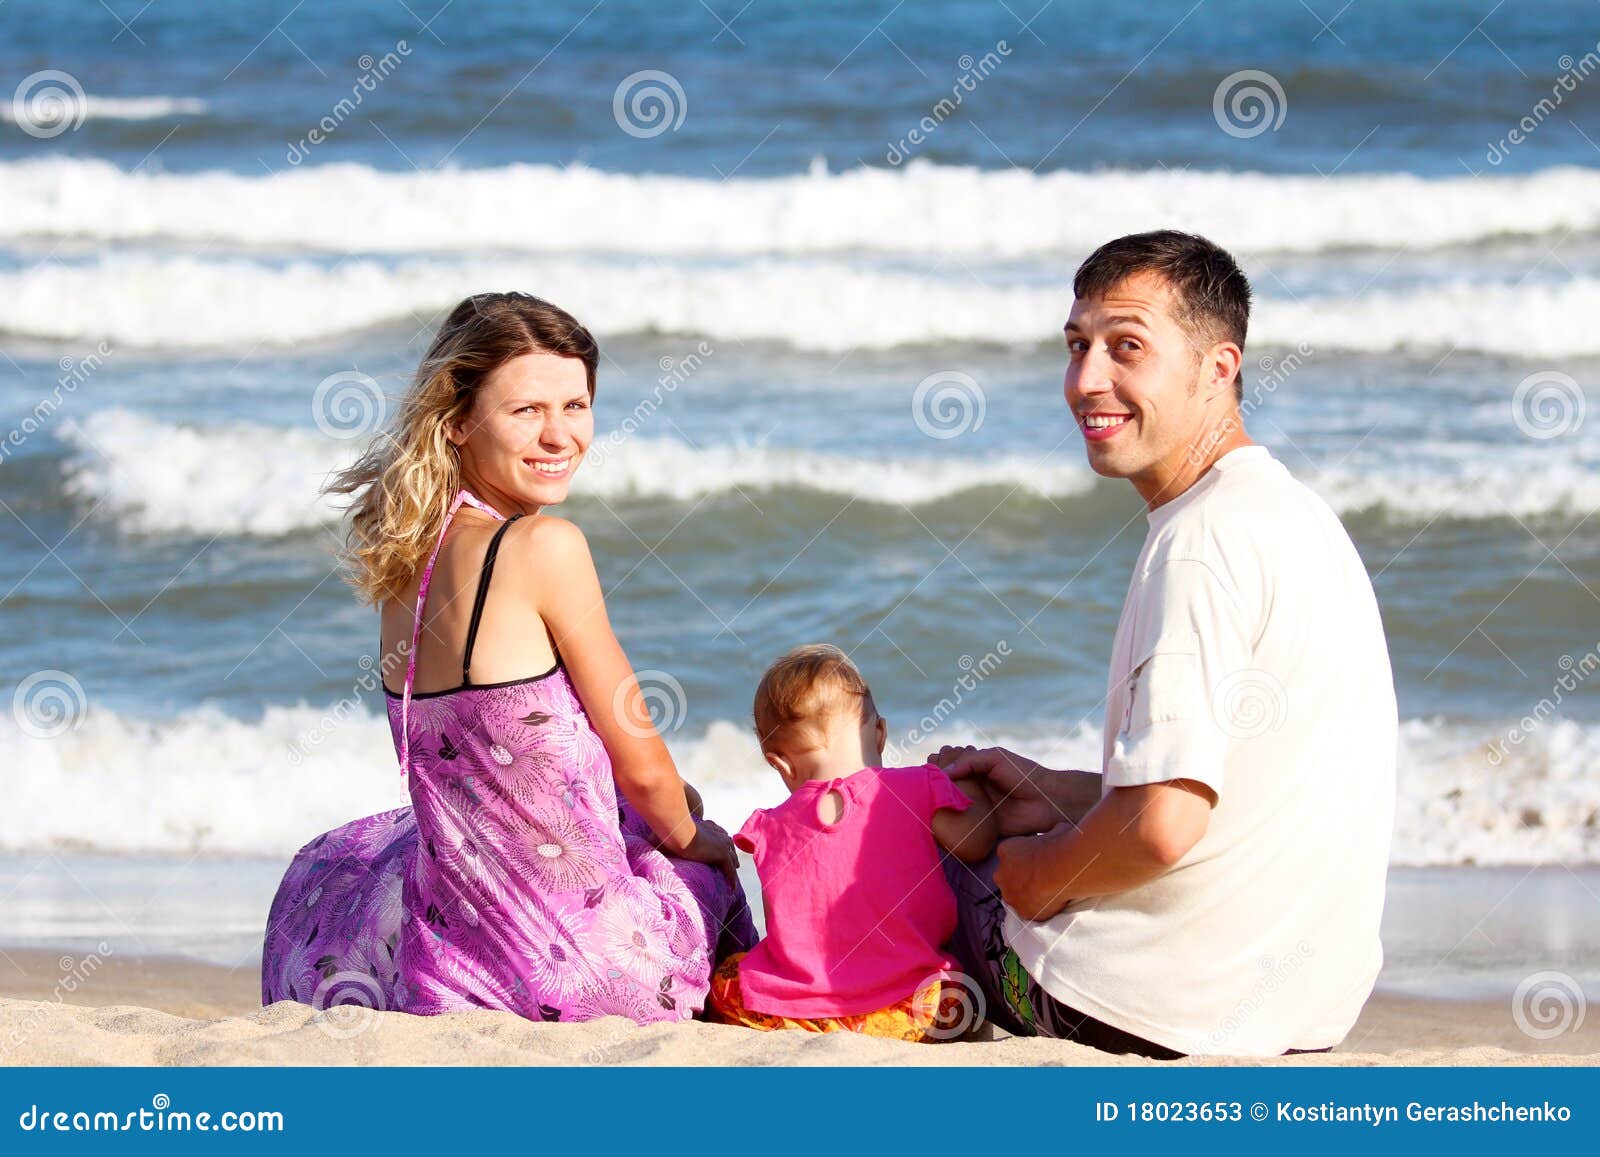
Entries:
{"x":925,"y":1015}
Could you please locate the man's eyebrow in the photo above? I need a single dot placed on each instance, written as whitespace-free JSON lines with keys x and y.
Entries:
{"x":1115,"y":319}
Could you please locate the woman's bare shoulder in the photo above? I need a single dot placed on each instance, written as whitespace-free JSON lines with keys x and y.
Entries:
{"x":548,"y":554}
{"x":541,"y":537}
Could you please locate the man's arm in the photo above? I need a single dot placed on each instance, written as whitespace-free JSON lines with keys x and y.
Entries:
{"x":1127,"y":839}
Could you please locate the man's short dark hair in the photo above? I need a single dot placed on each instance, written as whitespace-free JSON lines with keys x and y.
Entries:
{"x":1212,"y":295}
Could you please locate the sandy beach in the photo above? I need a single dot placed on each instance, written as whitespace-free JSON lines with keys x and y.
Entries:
{"x":175,"y":1011}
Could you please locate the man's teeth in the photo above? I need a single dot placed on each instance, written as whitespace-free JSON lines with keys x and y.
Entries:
{"x":1101,"y":421}
{"x":552,"y":467}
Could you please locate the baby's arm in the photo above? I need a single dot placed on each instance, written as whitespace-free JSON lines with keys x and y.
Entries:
{"x":970,"y":835}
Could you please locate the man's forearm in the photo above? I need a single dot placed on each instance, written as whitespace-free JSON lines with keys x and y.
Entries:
{"x":1128,"y":839}
{"x":1094,"y":858}
{"x":1072,"y":793}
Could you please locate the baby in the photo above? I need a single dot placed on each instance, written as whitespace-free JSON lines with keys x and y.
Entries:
{"x":857,"y":904}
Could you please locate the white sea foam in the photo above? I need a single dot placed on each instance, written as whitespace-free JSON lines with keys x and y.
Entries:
{"x":153,"y":476}
{"x":112,"y":108}
{"x":917,"y":210}
{"x":206,"y":783}
{"x":188,"y":303}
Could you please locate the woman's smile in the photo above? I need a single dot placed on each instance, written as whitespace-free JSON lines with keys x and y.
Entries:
{"x":551,"y":467}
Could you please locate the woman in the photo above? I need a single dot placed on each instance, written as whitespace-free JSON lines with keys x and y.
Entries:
{"x":516,"y":879}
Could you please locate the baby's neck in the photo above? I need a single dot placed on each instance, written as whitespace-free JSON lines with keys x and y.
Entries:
{"x":832,"y":762}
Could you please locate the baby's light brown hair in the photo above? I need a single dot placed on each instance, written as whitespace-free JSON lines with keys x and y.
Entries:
{"x":803,"y":690}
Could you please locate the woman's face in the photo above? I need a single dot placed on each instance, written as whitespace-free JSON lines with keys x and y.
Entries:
{"x":529,"y":427}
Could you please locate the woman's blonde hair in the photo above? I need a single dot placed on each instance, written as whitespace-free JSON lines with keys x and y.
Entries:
{"x":403,"y":485}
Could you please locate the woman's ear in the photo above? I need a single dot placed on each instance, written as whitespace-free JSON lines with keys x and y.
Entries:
{"x":882,"y":730}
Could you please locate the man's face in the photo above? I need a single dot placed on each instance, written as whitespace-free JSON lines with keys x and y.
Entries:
{"x":1134,"y":382}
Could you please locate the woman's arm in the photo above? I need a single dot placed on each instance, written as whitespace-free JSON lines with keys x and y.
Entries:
{"x":555,"y":554}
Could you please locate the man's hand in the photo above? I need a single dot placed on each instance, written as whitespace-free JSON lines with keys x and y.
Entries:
{"x":1020,"y":879}
{"x":1016,"y":783}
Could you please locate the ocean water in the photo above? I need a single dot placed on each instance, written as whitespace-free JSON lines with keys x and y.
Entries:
{"x":830,"y":402}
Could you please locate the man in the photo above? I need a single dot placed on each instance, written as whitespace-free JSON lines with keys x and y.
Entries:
{"x":1217,"y":888}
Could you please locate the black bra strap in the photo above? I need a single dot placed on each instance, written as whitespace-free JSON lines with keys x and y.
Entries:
{"x":483,"y":593}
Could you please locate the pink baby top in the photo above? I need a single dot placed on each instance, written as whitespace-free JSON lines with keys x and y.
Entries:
{"x":857,"y":909}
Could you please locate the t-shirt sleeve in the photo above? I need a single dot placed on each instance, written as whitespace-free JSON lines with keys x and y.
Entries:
{"x":1192,"y":677}
{"x":943,"y":793}
{"x":748,"y":838}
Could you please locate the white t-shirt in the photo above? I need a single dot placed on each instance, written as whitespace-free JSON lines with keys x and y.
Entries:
{"x":1250,"y":657}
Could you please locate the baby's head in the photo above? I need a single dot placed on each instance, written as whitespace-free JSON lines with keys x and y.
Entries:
{"x":815,"y":718}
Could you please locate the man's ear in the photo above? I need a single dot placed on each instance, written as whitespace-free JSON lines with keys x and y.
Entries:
{"x":1222,"y":365}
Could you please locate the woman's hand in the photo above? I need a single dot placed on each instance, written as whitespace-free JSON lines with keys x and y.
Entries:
{"x":712,"y":845}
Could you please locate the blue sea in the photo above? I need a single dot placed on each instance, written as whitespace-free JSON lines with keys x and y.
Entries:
{"x":827,"y":248}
